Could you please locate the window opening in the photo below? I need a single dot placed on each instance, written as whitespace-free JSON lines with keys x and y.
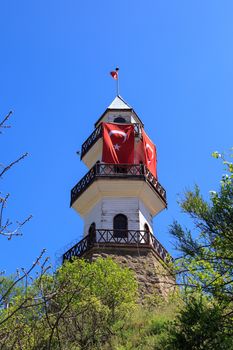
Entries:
{"x":120,"y":226}
{"x":92,"y":232}
{"x":119,"y":120}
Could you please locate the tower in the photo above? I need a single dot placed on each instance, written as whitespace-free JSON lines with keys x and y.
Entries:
{"x":119,"y":196}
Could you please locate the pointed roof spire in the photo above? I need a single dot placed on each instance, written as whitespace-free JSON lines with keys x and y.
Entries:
{"x":119,"y":103}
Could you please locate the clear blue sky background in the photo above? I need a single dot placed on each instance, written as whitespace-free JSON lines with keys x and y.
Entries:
{"x":176,"y":66}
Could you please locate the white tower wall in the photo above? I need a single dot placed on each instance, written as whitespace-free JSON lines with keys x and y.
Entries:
{"x":103,"y":212}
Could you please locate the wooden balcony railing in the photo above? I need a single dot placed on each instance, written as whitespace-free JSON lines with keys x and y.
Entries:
{"x":91,"y":140}
{"x":133,"y":171}
{"x":109,"y":238}
{"x":94,"y":137}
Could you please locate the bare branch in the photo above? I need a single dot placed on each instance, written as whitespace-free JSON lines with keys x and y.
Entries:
{"x":5,"y":227}
{"x":2,"y":123}
{"x":25,"y":273}
{"x":8,"y":167}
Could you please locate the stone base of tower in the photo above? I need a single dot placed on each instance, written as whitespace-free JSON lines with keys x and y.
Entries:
{"x":154,"y":277}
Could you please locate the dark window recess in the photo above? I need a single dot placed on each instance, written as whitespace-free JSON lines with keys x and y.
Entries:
{"x":119,"y":120}
{"x":120,"y":226}
{"x":147,"y":230}
{"x":92,"y":232}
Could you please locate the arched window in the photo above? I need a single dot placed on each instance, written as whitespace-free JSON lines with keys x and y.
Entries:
{"x":146,"y":228}
{"x":119,"y":120}
{"x":92,"y":232}
{"x":120,"y":226}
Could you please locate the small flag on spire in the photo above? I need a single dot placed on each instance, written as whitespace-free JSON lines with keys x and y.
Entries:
{"x":114,"y":74}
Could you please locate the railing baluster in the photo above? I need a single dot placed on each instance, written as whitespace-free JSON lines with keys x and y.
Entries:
{"x":133,"y":238}
{"x":97,"y":133}
{"x":116,"y":170}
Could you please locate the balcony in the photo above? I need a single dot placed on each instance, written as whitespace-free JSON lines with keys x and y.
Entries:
{"x":107,"y":238}
{"x":91,"y":140}
{"x":96,"y":135}
{"x":118,"y":171}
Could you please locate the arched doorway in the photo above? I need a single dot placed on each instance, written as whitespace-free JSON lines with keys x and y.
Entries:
{"x":120,"y":226}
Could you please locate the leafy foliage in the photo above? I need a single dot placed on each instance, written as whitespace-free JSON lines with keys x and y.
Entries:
{"x":147,"y":329}
{"x":206,"y":268}
{"x":94,"y":305}
{"x":199,"y":325}
{"x":81,"y":306}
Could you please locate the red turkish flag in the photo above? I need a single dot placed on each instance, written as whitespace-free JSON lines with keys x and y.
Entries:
{"x":118,"y":143}
{"x":114,"y":74}
{"x":150,"y":154}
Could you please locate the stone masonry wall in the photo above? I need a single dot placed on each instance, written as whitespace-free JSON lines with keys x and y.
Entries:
{"x":153,"y":276}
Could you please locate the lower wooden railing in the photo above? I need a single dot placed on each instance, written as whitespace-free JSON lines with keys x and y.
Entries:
{"x":129,"y":238}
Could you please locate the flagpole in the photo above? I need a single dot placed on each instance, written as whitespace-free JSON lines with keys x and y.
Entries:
{"x":117,"y":87}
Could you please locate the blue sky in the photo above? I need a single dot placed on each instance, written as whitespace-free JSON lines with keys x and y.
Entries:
{"x":176,"y":67}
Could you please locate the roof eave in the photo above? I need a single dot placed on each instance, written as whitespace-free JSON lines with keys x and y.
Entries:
{"x":117,"y":110}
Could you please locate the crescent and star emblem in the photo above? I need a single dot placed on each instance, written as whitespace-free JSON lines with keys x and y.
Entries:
{"x":118,"y":132}
{"x":150,"y":153}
